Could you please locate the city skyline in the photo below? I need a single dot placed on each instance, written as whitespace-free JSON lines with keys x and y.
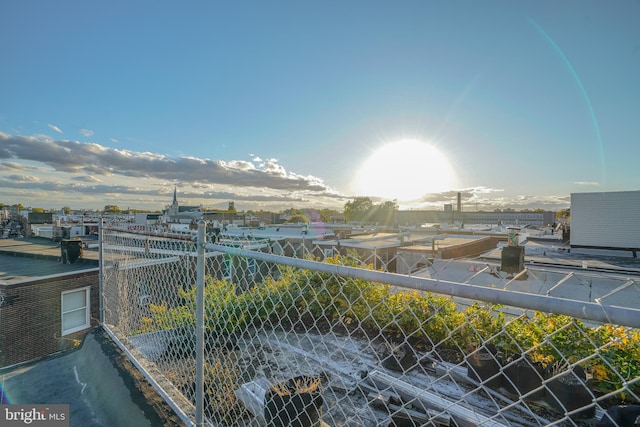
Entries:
{"x":283,"y":105}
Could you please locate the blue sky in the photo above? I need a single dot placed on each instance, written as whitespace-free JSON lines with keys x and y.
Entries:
{"x":285,"y":104}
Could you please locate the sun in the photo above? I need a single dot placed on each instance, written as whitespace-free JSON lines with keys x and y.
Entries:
{"x":404,"y":170}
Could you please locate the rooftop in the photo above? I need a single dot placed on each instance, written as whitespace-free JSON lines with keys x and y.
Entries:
{"x":23,"y":259}
{"x":97,"y":378}
{"x":101,"y":385}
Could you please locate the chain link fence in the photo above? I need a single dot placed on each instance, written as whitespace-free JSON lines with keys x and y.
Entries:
{"x":291,"y":334}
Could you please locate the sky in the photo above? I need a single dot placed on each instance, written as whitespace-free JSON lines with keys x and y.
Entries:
{"x":289,"y":104}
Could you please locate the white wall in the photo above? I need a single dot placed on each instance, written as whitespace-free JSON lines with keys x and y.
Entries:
{"x":606,"y":219}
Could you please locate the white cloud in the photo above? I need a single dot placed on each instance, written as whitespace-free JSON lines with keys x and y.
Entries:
{"x":89,"y":178}
{"x":91,"y":161}
{"x":73,"y":173}
{"x":23,"y":178}
{"x":15,"y":166}
{"x":86,"y":132}
{"x":55,"y":128}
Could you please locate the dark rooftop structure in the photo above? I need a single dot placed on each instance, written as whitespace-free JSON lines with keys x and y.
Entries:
{"x":98,"y":382}
{"x":22,"y":259}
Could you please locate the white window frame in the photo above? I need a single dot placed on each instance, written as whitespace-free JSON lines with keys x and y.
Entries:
{"x":86,"y":308}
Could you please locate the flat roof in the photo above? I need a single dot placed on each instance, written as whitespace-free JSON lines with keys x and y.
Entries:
{"x":98,"y":382}
{"x":23,"y":259}
{"x":422,"y":241}
{"x":444,"y":241}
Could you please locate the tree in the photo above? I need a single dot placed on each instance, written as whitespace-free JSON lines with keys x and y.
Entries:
{"x":37,"y":210}
{"x":111,"y":209}
{"x":297,"y":219}
{"x":329,"y":215}
{"x":66,"y":210}
{"x":358,"y":209}
{"x":291,"y":211}
{"x":363,"y":209}
{"x":384,"y":213}
{"x":564,"y":214}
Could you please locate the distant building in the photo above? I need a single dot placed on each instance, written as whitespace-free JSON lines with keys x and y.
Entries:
{"x":145,"y":219}
{"x":40,"y":217}
{"x":511,"y":217}
{"x":175,"y":209}
{"x":14,"y":212}
{"x":404,"y":252}
{"x":503,"y":217}
{"x":606,"y":220}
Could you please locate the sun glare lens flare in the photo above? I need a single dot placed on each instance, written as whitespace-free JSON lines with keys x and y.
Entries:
{"x":404,"y":170}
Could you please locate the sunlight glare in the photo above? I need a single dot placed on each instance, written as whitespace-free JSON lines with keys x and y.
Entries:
{"x":404,"y":170}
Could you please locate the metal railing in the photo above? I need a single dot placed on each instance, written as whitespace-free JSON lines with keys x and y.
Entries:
{"x":227,"y":328}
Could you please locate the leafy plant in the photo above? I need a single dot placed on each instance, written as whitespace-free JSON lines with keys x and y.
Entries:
{"x":610,"y":353}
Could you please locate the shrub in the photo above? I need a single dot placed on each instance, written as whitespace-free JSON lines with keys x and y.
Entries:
{"x":382,"y":309}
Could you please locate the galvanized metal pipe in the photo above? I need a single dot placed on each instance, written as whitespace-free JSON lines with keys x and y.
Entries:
{"x":602,"y":313}
{"x":101,"y":272}
{"x":200,"y":264}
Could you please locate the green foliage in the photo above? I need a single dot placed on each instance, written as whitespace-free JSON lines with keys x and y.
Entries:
{"x":363,"y":209}
{"x":358,"y":209}
{"x":484,"y":322}
{"x":111,"y":209}
{"x":298,"y":219}
{"x":384,"y":213}
{"x":274,"y":299}
{"x":609,"y":353}
{"x":329,"y":215}
{"x":619,"y":357}
{"x":292,"y":211}
{"x":223,"y":310}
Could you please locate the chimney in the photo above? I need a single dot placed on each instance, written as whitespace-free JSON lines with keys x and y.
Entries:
{"x":459,"y":202}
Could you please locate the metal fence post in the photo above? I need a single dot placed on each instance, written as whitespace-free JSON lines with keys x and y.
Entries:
{"x":200,"y":324}
{"x":101,"y":268}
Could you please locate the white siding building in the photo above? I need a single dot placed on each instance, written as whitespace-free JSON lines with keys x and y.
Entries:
{"x":606,"y":220}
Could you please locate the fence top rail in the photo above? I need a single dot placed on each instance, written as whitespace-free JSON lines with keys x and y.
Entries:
{"x":596,"y":312}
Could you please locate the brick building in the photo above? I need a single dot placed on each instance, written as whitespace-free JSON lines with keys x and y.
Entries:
{"x":45,"y":306}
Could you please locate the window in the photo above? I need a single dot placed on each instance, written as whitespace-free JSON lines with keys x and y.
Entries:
{"x":75,"y":310}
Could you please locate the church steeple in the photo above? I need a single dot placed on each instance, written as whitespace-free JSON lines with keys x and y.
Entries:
{"x":173,"y":208}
